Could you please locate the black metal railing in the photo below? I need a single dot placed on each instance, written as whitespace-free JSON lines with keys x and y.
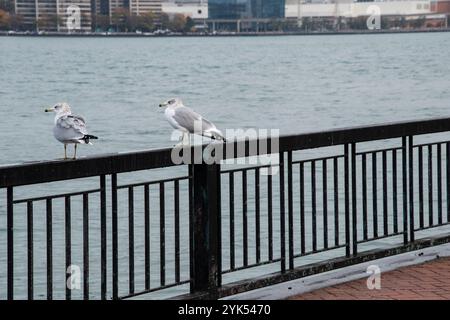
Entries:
{"x":207,"y":231}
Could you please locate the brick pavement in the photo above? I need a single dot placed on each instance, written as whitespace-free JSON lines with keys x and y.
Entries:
{"x":427,"y":281}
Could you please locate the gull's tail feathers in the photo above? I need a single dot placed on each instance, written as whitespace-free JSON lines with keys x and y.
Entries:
{"x":88,"y":137}
{"x":215,"y":134}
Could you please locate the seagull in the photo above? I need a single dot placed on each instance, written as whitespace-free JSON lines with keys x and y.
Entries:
{"x":188,"y":121}
{"x":69,"y":128}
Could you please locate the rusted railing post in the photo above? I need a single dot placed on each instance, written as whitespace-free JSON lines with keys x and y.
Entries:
{"x":206,"y":229}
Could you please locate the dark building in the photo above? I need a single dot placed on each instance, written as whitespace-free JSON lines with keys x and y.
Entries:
{"x":104,"y":7}
{"x":228,"y":9}
{"x":267,"y":8}
{"x":239,"y":9}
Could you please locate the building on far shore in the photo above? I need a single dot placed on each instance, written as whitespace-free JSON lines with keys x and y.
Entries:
{"x":350,"y":9}
{"x":246,"y":9}
{"x":53,"y":15}
{"x":430,"y":10}
{"x":236,"y":15}
{"x":195,"y":9}
{"x":135,"y":7}
{"x":139,"y":7}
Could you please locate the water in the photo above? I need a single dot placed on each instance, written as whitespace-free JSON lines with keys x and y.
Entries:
{"x":294,"y":83}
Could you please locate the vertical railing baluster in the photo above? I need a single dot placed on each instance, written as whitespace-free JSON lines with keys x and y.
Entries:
{"x":313,"y":206}
{"x":147,"y":235}
{"x":405,"y":189}
{"x":68,"y":239}
{"x":447,"y":161}
{"x":115,"y":242}
{"x":439,"y":181}
{"x":290,"y":212}
{"x":325,"y":203}
{"x":103,"y":239}
{"x":85,"y":246}
{"x":192,"y":254}
{"x":231,"y":204}
{"x":49,"y":253}
{"x":302,"y":208}
{"x":364,"y":194}
{"x":217,"y":241}
{"x":411,"y":187}
{"x":430,"y":185}
{"x":420,"y":164}
{"x":244,"y":219}
{"x":394,"y":190}
{"x":336,"y":200}
{"x":385,"y":195}
{"x":162,"y":234}
{"x":10,"y":240}
{"x":131,"y":239}
{"x":257,"y":217}
{"x":282,"y":216}
{"x":177,"y":229}
{"x":374,"y":195}
{"x":30,"y":249}
{"x":269,"y":214}
{"x":354,"y":208}
{"x":347,"y":199}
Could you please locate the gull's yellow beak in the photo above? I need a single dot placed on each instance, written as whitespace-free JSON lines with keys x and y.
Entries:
{"x":49,"y":110}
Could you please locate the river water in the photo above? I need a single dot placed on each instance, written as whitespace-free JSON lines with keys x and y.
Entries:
{"x":291,"y":83}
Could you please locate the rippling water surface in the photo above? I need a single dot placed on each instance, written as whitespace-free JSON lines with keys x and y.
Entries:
{"x":293,"y":83}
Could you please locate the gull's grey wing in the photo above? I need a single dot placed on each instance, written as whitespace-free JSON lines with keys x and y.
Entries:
{"x":70,"y":127}
{"x":186,"y":118}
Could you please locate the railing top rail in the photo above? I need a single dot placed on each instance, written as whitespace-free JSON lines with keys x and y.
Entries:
{"x":57,"y":170}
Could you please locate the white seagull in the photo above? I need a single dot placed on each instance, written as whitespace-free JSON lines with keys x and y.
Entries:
{"x":188,"y":121}
{"x":69,"y":128}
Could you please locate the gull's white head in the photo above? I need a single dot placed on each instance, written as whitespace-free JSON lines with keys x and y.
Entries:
{"x":174,"y":102}
{"x":60,"y":108}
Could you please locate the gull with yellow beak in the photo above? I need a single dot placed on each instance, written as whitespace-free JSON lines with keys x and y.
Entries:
{"x":188,"y":121}
{"x":69,"y":128}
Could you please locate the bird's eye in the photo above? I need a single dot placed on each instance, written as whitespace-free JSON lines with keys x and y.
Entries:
{"x":172,"y":101}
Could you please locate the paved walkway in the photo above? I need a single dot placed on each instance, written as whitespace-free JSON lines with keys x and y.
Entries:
{"x":426,"y":281}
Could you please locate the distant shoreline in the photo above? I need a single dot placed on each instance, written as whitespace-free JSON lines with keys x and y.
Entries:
{"x":208,"y":35}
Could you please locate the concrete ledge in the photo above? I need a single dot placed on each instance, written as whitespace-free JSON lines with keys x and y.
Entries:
{"x":278,"y":278}
{"x":330,"y":278}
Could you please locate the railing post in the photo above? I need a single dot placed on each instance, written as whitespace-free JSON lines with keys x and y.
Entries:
{"x":115,"y":245}
{"x":405,"y":190}
{"x":206,"y":229}
{"x":290,"y":212}
{"x":354,"y":205}
{"x":10,"y":241}
{"x":103,"y":239}
{"x":411,"y":187}
{"x":282,"y":217}
{"x":347,"y":199}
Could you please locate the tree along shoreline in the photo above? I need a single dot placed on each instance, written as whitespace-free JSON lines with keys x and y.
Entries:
{"x":216,"y":34}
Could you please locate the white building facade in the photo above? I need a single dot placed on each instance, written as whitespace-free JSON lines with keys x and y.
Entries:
{"x":350,"y":9}
{"x":193,"y":9}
